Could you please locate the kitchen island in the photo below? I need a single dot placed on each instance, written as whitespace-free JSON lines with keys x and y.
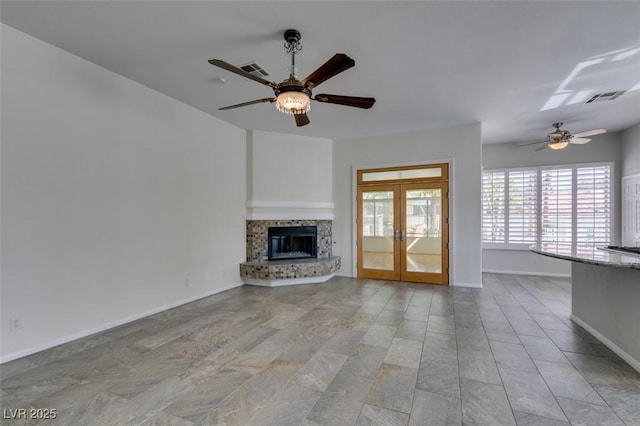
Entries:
{"x":605,"y":295}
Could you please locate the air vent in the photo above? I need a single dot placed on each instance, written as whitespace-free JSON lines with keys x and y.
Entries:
{"x":609,"y":96}
{"x":255,"y":69}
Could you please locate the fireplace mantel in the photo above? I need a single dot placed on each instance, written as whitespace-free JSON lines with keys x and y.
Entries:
{"x":289,"y":210}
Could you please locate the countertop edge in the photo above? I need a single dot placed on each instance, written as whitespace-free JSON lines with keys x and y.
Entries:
{"x":598,"y":262}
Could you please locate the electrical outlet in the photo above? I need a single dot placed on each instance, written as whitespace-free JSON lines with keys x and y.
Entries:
{"x":186,"y":282}
{"x":15,"y":324}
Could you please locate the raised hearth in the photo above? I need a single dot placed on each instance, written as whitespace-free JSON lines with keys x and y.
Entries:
{"x":263,"y":235}
{"x":275,"y":273}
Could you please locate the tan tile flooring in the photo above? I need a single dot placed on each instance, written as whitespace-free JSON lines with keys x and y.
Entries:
{"x":340,"y":353}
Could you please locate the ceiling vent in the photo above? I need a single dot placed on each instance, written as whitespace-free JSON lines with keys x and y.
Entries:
{"x":609,"y":96}
{"x":255,"y":69}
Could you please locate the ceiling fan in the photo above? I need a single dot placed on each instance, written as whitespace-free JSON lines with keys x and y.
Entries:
{"x":560,"y":139}
{"x":293,"y":96}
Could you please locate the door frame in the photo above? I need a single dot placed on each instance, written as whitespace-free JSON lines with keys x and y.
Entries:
{"x":354,"y":206}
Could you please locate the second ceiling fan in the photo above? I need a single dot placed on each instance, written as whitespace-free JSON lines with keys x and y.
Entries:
{"x":560,"y":139}
{"x":293,"y":96}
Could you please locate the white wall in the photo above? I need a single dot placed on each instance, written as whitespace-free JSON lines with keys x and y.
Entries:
{"x":631,"y":170}
{"x":289,"y":176}
{"x":112,"y":196}
{"x":461,"y":144}
{"x":606,"y":147}
{"x":631,"y":151}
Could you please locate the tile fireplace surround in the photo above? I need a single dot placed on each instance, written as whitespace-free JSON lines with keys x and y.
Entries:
{"x":258,"y":270}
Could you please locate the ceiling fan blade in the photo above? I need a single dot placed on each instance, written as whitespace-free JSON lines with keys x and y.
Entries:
{"x":589,"y":133}
{"x":340,"y":62}
{"x":353,"y":101}
{"x":579,"y":141}
{"x":301,"y":119}
{"x":531,"y":143}
{"x":542,"y":147}
{"x":257,"y":101}
{"x":227,"y":66}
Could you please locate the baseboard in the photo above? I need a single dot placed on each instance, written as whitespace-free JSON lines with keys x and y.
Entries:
{"x":469,"y":285}
{"x":85,"y":333}
{"x":535,"y":273}
{"x":608,"y":343}
{"x":287,"y":281}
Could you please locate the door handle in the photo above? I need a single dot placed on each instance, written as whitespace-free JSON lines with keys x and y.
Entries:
{"x":402,"y":236}
{"x":396,"y":235}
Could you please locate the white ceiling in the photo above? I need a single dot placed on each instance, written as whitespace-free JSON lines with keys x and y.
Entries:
{"x":428,"y":64}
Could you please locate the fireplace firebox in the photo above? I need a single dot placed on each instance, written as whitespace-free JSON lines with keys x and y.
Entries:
{"x":292,"y":242}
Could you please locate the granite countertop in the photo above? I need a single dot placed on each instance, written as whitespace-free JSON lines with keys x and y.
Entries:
{"x":588,"y":254}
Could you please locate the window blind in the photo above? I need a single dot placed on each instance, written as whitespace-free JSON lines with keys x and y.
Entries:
{"x":493,"y":207}
{"x":523,"y":190}
{"x":569,"y":205}
{"x":593,"y":205}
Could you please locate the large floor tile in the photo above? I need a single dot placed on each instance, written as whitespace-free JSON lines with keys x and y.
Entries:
{"x":432,"y":409}
{"x":479,"y":366}
{"x":512,"y":356}
{"x":372,"y":415}
{"x":529,"y":393}
{"x":583,"y":413}
{"x":439,"y":376}
{"x":485,"y":404}
{"x":393,"y":388}
{"x":404,"y":352}
{"x":566,"y":381}
{"x":345,"y":352}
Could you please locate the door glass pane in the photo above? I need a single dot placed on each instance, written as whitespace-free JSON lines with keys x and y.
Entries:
{"x":377,"y":230}
{"x":423,"y":225}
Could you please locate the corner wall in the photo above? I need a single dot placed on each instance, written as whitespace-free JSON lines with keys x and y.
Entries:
{"x":461,"y":144}
{"x":289,"y":177}
{"x":117,"y":201}
{"x":631,"y":151}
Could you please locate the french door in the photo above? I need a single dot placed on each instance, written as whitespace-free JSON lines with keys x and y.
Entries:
{"x":403,"y":230}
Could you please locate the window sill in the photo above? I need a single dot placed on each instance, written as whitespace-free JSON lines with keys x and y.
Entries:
{"x":519,"y":247}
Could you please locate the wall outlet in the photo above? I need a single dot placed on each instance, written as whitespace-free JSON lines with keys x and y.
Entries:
{"x":186,"y":282}
{"x":15,"y":324}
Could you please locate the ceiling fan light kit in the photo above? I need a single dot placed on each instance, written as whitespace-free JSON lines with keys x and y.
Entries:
{"x":293,"y":96}
{"x":293,"y":103}
{"x":558,"y":145}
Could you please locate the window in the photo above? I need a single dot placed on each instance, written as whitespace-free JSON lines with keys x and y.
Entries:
{"x":423,"y":213}
{"x":378,"y":214}
{"x":560,"y":204}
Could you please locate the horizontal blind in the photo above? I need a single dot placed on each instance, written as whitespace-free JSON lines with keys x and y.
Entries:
{"x":567,"y":205}
{"x":493,"y":207}
{"x":523,"y":198}
{"x":556,"y":209}
{"x":593,"y":205}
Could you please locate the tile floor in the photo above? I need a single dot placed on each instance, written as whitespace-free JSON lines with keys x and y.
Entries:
{"x":340,"y":353}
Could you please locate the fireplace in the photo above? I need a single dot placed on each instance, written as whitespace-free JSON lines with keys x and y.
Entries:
{"x":292,"y":242}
